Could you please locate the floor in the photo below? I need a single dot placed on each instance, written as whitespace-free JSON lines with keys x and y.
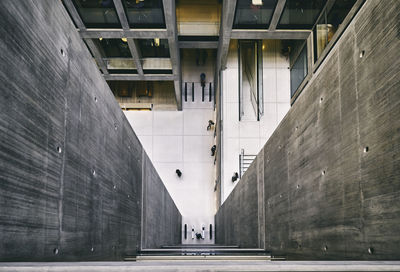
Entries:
{"x":204,"y":266}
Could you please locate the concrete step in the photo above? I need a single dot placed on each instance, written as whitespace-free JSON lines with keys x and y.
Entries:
{"x":199,"y":257}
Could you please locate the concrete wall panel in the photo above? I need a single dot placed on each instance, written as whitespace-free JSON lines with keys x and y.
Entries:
{"x":70,"y":163}
{"x":326,"y":195}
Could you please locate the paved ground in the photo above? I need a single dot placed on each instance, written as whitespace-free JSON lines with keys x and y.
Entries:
{"x":204,"y":266}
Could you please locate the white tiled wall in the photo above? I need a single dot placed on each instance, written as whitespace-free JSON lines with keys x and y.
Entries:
{"x":180,"y":140}
{"x":249,"y":134}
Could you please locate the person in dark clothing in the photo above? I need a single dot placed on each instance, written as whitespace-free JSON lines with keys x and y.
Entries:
{"x":213,"y":148}
{"x":210,"y":124}
{"x":203,"y":80}
{"x":178,"y":172}
{"x":235,"y":176}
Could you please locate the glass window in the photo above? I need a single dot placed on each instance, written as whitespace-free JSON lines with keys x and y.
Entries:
{"x":115,"y":48}
{"x":254,"y":13}
{"x":299,"y":71}
{"x":97,"y":13}
{"x":144,"y":14}
{"x":154,"y":48}
{"x":328,"y":25}
{"x":300,"y":14}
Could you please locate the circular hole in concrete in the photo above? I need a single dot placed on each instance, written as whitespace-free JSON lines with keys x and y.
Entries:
{"x":366,"y":149}
{"x":62,"y":52}
{"x":115,"y":126}
{"x":55,"y":251}
{"x":59,"y":150}
{"x":94,"y":172}
{"x":362,"y":53}
{"x":371,"y":250}
{"x":321,"y":99}
{"x":298,"y":186}
{"x":325,"y":248}
{"x":95,"y":99}
{"x":323,"y":172}
{"x":297,"y":128}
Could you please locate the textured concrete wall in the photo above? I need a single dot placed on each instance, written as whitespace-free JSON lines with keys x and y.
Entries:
{"x":237,"y":219}
{"x":162,"y":221}
{"x":71,"y":167}
{"x":326,"y":195}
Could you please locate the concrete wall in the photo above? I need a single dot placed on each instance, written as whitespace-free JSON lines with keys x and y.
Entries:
{"x":71,"y":167}
{"x":326,"y":196}
{"x":161,"y":218}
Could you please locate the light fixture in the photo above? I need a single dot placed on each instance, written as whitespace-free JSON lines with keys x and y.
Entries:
{"x":157,"y":42}
{"x":100,"y":39}
{"x":257,"y":2}
{"x":124,"y":39}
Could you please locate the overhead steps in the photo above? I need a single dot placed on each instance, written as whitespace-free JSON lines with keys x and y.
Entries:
{"x":201,"y":252}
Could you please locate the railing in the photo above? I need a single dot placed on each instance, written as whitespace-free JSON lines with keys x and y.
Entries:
{"x":244,"y":162}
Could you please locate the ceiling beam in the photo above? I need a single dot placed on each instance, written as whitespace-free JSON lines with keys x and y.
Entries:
{"x":132,"y":44}
{"x":277,"y":14}
{"x":274,"y":35}
{"x":228,"y":13}
{"x":135,"y":77}
{"x":120,"y":33}
{"x":97,"y":55}
{"x":136,"y":54}
{"x":74,"y":14}
{"x":170,"y":22}
{"x":198,"y":44}
{"x":121,"y":14}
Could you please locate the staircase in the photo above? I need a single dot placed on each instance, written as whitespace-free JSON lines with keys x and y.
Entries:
{"x":201,"y":252}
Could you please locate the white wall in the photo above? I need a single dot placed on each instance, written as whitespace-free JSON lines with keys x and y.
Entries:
{"x":249,"y":134}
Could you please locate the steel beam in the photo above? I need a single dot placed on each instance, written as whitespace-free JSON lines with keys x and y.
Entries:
{"x":132,"y":44}
{"x":74,"y":14}
{"x":165,"y":77}
{"x":120,"y":33}
{"x":228,"y":13}
{"x":266,"y":34}
{"x":172,"y":34}
{"x":277,"y":14}
{"x":198,"y":44}
{"x":97,"y":55}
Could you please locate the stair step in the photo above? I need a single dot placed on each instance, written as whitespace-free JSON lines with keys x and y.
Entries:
{"x":200,"y":257}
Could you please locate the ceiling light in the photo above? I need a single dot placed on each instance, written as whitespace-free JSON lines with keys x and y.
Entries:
{"x":100,"y":38}
{"x":257,"y":2}
{"x":124,"y":39}
{"x":157,"y":42}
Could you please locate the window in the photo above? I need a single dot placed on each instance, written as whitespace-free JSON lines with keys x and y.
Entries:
{"x":144,"y":14}
{"x":299,"y":71}
{"x":254,"y":13}
{"x":97,"y":13}
{"x":154,"y":48}
{"x":329,"y":23}
{"x":115,"y":48}
{"x":300,"y":14}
